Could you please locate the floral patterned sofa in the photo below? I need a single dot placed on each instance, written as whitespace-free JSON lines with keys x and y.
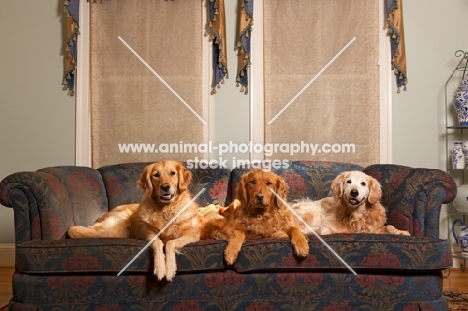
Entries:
{"x":393,"y":272}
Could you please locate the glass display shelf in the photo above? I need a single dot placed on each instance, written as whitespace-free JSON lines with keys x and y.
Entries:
{"x":457,"y":127}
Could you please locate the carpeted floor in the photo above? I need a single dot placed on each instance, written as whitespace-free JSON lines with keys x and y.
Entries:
{"x":457,"y":300}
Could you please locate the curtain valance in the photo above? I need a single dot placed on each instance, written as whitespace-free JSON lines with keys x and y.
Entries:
{"x":217,"y":29}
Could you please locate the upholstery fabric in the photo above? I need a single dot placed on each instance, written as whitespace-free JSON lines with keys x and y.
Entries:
{"x":229,"y":290}
{"x":57,"y":273}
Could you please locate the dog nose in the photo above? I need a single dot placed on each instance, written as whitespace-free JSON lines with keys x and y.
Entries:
{"x":165,"y":187}
{"x":259,"y":197}
{"x":354,"y":193}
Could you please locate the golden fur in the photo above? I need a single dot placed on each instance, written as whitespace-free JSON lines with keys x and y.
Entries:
{"x":113,"y":224}
{"x":256,"y":213}
{"x":354,"y":207}
{"x":165,"y":184}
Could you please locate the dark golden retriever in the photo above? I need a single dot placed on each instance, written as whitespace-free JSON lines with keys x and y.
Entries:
{"x":354,"y":207}
{"x":256,"y":213}
{"x":165,"y":184}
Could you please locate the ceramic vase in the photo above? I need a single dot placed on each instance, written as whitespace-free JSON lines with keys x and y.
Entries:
{"x":461,"y":200}
{"x":460,"y":102}
{"x":462,"y":237}
{"x":465,"y":151}
{"x":458,"y":156}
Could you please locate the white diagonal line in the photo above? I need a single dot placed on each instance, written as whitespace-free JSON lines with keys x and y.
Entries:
{"x":311,"y":81}
{"x":162,"y":80}
{"x":313,"y":231}
{"x":161,"y":231}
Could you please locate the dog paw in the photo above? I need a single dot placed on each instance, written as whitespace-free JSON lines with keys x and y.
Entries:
{"x":301,"y":247}
{"x":171,"y":269}
{"x":159,"y":270}
{"x":219,"y":236}
{"x":392,"y":230}
{"x":230,"y":256}
{"x":170,"y":275}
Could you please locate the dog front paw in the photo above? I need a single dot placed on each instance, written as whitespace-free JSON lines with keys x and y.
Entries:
{"x":302,"y":252}
{"x":171,"y":268}
{"x":301,"y":247}
{"x":160,"y":269}
{"x":230,"y":256}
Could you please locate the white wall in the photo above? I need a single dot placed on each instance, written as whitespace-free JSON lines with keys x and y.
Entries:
{"x":434,"y":31}
{"x":37,"y":117}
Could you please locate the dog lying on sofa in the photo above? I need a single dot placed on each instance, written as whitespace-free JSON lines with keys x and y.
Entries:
{"x":353,"y":207}
{"x":166,"y":195}
{"x":256,"y":213}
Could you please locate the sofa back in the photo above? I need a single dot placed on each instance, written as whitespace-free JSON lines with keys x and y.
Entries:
{"x":48,"y":201}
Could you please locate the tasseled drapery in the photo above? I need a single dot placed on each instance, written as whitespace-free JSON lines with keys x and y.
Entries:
{"x":71,"y":8}
{"x":397,"y":41}
{"x":243,"y":44}
{"x":217,"y":29}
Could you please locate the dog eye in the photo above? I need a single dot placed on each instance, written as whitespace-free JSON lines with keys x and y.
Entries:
{"x":172,"y":173}
{"x":269,"y":183}
{"x":252,"y":182}
{"x":348,"y":181}
{"x":156,"y":174}
{"x":363,"y":183}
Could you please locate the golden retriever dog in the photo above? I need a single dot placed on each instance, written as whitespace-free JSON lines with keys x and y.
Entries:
{"x":165,"y":184}
{"x":256,"y":213}
{"x":354,"y":207}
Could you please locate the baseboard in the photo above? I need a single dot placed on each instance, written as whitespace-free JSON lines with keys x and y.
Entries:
{"x":8,"y":255}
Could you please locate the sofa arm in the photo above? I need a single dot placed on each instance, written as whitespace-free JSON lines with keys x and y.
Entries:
{"x":414,"y":196}
{"x":47,"y":202}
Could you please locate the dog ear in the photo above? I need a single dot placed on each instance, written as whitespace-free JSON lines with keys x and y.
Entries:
{"x":337,"y":185}
{"x":375,"y":190}
{"x":185,"y":177}
{"x":145,"y":180}
{"x":281,"y":190}
{"x":242,"y":190}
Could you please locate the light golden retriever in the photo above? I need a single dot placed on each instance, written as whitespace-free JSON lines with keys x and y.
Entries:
{"x":165,"y":184}
{"x":354,"y":207}
{"x":256,"y":213}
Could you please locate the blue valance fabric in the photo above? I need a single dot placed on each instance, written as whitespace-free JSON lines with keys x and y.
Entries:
{"x":397,"y":41}
{"x":217,"y":30}
{"x":243,"y":44}
{"x":71,"y":7}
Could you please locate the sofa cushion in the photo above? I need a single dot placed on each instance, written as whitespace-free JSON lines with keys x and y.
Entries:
{"x":360,"y":251}
{"x":110,"y":255}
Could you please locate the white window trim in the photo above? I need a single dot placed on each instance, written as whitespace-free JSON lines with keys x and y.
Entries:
{"x":83,"y":155}
{"x":386,"y":76}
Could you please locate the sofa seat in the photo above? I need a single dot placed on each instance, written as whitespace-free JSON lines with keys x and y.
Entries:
{"x":360,"y":251}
